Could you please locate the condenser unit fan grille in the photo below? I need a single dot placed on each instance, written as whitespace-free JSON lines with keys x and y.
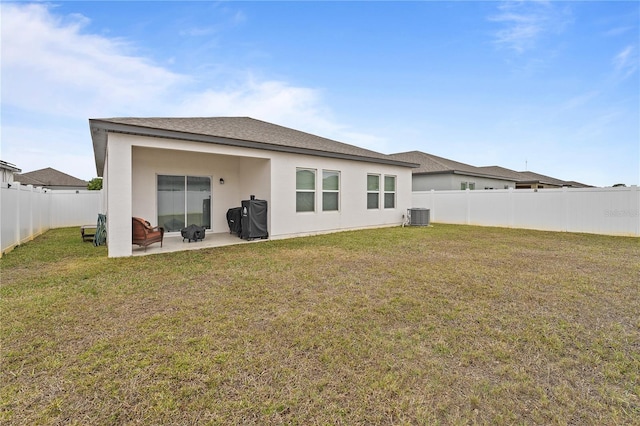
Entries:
{"x":419,"y":217}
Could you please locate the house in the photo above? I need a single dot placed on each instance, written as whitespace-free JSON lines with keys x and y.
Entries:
{"x":8,"y":172}
{"x":180,"y":171}
{"x":440,"y":173}
{"x":531,"y":180}
{"x":51,"y":179}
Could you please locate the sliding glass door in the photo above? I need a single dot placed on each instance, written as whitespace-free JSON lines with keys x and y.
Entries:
{"x":199,"y":201}
{"x":182,"y":201}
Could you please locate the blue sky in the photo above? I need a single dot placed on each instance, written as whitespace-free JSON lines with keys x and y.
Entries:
{"x":551,"y":87}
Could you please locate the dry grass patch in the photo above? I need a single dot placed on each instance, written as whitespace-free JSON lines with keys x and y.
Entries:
{"x":439,"y":325}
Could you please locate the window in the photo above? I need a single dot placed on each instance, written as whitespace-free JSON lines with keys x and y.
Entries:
{"x":373,"y":191}
{"x":330,"y":190}
{"x":389,"y":192}
{"x":472,"y":185}
{"x":463,"y":185}
{"x":305,"y":190}
{"x":183,"y":200}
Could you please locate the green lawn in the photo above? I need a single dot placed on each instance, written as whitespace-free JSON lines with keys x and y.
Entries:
{"x":438,"y":325}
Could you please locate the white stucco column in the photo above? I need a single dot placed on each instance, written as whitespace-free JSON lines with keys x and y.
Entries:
{"x":119,"y":196}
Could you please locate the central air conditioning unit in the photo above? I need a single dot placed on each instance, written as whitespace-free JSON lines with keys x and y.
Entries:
{"x":419,"y":217}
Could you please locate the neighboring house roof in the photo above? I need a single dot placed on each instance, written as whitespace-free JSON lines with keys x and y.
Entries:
{"x":432,"y":164}
{"x":49,"y":177}
{"x":532,"y":177}
{"x":575,"y":184}
{"x":234,"y":131}
{"x":502,"y":172}
{"x":9,"y":166}
{"x":537,"y":177}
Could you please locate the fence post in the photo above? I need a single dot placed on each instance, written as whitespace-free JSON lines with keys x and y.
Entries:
{"x":565,"y":209}
{"x":635,"y":191}
{"x":468,"y":199}
{"x":432,"y":204}
{"x":511,"y":207}
{"x":16,"y":237}
{"x":30,"y":218}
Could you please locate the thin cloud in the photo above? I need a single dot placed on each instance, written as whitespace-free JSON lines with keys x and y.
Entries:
{"x":614,"y":32}
{"x":50,"y":66}
{"x":579,"y":101}
{"x":626,"y":62}
{"x":239,"y":17}
{"x":198,"y":32}
{"x":271,"y":100}
{"x":279,"y":102}
{"x":234,"y":18}
{"x":47,"y":57}
{"x":524,"y":23}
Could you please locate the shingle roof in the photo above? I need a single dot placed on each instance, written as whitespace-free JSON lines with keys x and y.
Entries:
{"x":531,"y":177}
{"x":49,"y":177}
{"x":574,"y":184}
{"x":537,"y":177}
{"x":502,"y":172}
{"x":430,"y":163}
{"x":237,"y":131}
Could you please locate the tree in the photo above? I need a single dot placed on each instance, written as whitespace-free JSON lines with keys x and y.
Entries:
{"x":95,"y":184}
{"x":619,"y":184}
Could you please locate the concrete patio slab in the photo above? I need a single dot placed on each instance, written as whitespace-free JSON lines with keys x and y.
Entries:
{"x":173,"y":243}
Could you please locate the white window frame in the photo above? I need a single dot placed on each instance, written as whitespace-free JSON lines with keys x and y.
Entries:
{"x":395,"y":186}
{"x":331,"y":191}
{"x":312,"y":191}
{"x":377,"y":192}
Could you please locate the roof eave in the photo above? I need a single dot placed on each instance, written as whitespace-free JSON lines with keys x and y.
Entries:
{"x":99,"y":139}
{"x":11,"y":167}
{"x":461,"y":172}
{"x":100,"y":128}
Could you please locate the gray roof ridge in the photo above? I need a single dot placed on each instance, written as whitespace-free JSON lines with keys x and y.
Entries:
{"x":241,"y":131}
{"x":446,"y":163}
{"x":50,"y":176}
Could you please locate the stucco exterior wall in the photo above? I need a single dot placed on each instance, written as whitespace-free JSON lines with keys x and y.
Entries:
{"x":353,"y":212}
{"x":119,"y":201}
{"x":135,"y":161}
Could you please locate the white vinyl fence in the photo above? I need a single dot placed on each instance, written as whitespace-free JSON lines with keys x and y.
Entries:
{"x":27,"y":211}
{"x":608,"y":211}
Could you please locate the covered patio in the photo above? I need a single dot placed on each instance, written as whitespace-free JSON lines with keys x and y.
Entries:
{"x":173,"y":243}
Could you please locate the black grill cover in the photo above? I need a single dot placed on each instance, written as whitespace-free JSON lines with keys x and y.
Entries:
{"x":192,"y":233}
{"x":254,"y":219}
{"x":234,"y":219}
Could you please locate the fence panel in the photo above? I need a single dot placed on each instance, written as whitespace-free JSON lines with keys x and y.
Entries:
{"x":25,"y":200}
{"x":71,"y":208}
{"x":541,"y":209}
{"x":453,"y":208}
{"x":489,"y":208}
{"x":26,"y":212}
{"x":605,"y":211}
{"x":609,"y":211}
{"x":9,"y":216}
